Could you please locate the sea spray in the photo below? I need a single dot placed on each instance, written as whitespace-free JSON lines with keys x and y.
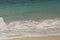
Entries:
{"x":3,"y":25}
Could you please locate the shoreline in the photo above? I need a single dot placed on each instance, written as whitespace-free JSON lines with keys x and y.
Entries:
{"x":38,"y":38}
{"x":29,"y":36}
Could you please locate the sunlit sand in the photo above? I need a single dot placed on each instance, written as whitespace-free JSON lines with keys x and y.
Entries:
{"x":38,"y":38}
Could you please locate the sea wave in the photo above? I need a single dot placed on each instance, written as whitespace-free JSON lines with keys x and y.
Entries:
{"x":29,"y":28}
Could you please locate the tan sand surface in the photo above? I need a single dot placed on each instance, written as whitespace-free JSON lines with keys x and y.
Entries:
{"x":38,"y":38}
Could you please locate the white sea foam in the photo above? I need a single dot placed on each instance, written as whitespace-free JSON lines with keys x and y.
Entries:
{"x":29,"y":28}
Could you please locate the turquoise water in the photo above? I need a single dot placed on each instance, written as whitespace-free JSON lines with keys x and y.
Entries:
{"x":27,"y":9}
{"x":22,"y":18}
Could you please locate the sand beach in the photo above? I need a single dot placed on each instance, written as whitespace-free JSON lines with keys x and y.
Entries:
{"x":38,"y":38}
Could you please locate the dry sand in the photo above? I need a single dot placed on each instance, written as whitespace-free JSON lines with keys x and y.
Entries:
{"x":38,"y":38}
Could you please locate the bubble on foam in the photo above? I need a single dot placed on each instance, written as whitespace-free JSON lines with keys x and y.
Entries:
{"x":29,"y":27}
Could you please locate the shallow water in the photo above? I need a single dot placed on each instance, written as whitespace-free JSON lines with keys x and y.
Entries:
{"x":28,"y":28}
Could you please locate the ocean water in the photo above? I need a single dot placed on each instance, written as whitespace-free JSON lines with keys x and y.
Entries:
{"x":29,"y":9}
{"x":20,"y":18}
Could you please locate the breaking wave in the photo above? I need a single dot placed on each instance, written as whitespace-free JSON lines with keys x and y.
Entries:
{"x":29,"y":28}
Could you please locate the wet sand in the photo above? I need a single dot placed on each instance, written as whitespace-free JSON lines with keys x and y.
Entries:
{"x":38,"y":38}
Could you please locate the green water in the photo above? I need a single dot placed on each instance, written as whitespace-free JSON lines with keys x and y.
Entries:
{"x":36,"y":10}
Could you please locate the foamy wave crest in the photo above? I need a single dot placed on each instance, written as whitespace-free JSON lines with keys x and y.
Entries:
{"x":29,"y":28}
